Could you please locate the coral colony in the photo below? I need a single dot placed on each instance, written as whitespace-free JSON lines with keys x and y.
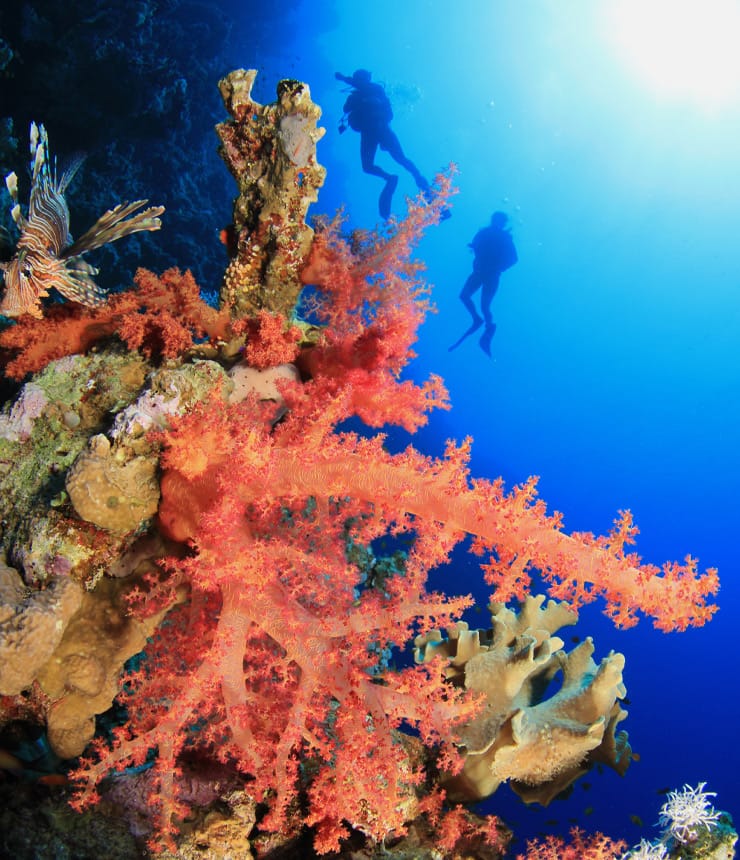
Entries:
{"x":174,"y":481}
{"x":691,"y":828}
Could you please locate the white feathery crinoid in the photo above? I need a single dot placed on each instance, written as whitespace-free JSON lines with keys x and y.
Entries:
{"x":687,"y":810}
{"x":647,"y":851}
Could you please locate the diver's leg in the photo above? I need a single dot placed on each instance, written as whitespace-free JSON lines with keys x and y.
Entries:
{"x":490,"y":286}
{"x":368,"y":148}
{"x":391,"y":144}
{"x":472,"y":285}
{"x":466,"y":297}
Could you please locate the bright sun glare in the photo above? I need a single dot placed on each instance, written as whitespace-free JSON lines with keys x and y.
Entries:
{"x":686,"y":50}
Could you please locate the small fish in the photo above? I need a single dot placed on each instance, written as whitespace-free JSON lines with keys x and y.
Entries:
{"x":9,"y":762}
{"x":585,"y":786}
{"x":53,"y":779}
{"x":46,"y":256}
{"x":635,"y":819}
{"x":665,"y":790}
{"x":589,"y":810}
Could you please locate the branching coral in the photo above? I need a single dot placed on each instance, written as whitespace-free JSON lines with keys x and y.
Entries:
{"x":271,"y":659}
{"x":580,"y":847}
{"x":370,"y":301}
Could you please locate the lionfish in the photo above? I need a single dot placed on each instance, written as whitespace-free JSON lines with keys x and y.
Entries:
{"x":45,"y":255}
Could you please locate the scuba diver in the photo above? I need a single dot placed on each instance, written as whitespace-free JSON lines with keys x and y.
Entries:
{"x":368,"y":111}
{"x":494,"y":253}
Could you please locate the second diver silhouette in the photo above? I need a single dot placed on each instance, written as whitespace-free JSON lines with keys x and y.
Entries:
{"x":494,"y":253}
{"x":368,"y":111}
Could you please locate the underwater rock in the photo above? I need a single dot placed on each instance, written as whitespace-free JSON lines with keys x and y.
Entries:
{"x":32,"y":624}
{"x":264,"y":383}
{"x":17,"y":424}
{"x":81,"y":676}
{"x":110,"y":491}
{"x":59,"y":409}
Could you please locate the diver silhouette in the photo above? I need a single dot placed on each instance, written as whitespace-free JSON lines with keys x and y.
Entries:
{"x":368,"y":111}
{"x":494,"y":253}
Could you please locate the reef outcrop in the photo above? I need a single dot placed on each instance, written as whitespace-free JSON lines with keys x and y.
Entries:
{"x":170,"y":462}
{"x":271,"y":153}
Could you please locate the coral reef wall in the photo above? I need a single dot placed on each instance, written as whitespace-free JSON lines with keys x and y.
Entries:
{"x":183,"y":477}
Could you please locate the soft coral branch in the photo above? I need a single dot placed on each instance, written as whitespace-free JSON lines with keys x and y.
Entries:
{"x":371,"y":301}
{"x":161,"y":317}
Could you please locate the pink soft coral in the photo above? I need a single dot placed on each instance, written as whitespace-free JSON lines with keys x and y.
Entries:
{"x":276,"y":658}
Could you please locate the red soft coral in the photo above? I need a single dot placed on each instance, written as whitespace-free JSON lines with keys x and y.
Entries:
{"x":371,"y":302}
{"x":161,"y":317}
{"x":580,"y":847}
{"x":278,"y":654}
{"x":270,"y":340}
{"x":278,"y":657}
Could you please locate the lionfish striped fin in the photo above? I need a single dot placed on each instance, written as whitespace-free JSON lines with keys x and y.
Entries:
{"x":69,"y":172}
{"x":111,"y":226}
{"x":48,"y":215}
{"x":46,"y":257}
{"x":25,"y":296}
{"x":11,"y":183}
{"x":76,"y":282}
{"x":33,"y":138}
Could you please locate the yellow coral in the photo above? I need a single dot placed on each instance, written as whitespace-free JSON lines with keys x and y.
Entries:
{"x":81,"y":676}
{"x":110,"y":490}
{"x":271,"y":152}
{"x":541,"y":745}
{"x":32,"y":624}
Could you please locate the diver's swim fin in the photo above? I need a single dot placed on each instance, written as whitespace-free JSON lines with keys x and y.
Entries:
{"x":486,"y":338}
{"x":473,"y":328}
{"x":386,"y":197}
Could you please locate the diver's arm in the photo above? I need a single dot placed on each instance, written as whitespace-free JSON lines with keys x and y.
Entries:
{"x":345,"y":78}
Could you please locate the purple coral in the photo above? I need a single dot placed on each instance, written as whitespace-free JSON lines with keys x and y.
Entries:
{"x":17,"y":425}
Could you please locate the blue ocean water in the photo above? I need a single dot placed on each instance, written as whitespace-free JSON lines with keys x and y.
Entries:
{"x":614,"y":373}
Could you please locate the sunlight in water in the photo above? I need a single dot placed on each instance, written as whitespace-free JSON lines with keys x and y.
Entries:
{"x":681,"y":49}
